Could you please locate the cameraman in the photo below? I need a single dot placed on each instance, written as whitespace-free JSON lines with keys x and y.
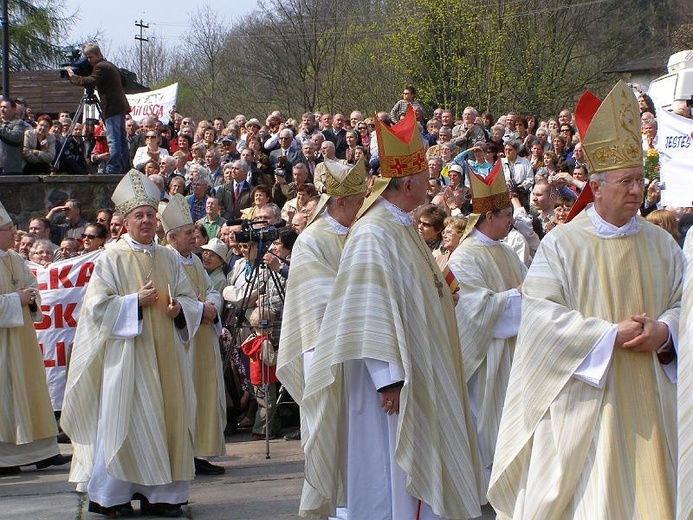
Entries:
{"x":108,"y":81}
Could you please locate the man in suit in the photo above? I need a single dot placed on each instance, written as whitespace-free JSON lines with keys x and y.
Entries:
{"x":235,"y":194}
{"x":337,"y":135}
{"x":309,"y":158}
{"x":285,"y":150}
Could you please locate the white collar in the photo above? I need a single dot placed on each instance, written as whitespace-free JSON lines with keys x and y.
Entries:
{"x":336,"y":226}
{"x":483,"y":239}
{"x":185,"y":260}
{"x":136,"y":246}
{"x":605,"y":229}
{"x":404,"y":217}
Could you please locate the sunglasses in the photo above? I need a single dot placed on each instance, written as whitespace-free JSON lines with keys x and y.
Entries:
{"x":90,"y":237}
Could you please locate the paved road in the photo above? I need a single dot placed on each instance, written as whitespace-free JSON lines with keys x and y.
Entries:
{"x":253,"y":488}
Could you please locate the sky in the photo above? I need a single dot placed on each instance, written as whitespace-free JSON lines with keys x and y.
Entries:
{"x":115,"y":19}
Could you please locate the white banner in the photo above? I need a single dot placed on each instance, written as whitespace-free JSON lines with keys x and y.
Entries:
{"x":157,"y":103}
{"x":675,"y":146}
{"x":62,"y":285}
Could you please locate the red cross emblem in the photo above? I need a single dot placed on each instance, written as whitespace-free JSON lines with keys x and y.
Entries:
{"x":420,"y":162}
{"x":398,"y":166}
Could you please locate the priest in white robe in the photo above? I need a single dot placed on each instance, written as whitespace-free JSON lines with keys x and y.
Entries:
{"x":490,"y":276}
{"x":129,"y":401}
{"x":589,"y":423}
{"x":210,"y":417}
{"x":27,"y":424}
{"x":685,"y":390}
{"x":385,"y":400}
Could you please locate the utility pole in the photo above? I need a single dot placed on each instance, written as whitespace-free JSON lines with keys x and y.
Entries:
{"x":141,"y":39}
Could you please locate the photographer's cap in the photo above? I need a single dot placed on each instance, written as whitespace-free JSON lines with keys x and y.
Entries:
{"x":176,"y":213}
{"x":4,"y":216}
{"x":134,"y":190}
{"x":217,"y":247}
{"x":228,"y":139}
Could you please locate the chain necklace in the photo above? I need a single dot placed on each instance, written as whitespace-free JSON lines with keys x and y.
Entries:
{"x":150,"y":255}
{"x":427,"y":256}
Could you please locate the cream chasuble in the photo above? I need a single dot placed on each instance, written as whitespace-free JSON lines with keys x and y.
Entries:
{"x":208,"y":376}
{"x":567,"y":449}
{"x":140,"y":387}
{"x":485,"y":273}
{"x":685,"y":387}
{"x":391,"y":304}
{"x":27,"y":423}
{"x":314,"y":262}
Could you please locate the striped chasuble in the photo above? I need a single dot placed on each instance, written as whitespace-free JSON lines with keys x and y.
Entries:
{"x":685,"y":384}
{"x":568,"y":450}
{"x":314,"y":262}
{"x":485,"y":274}
{"x":208,"y":376}
{"x":27,"y":424}
{"x":142,"y":387}
{"x":386,"y":306}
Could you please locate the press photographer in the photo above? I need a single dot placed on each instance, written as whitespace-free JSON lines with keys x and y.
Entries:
{"x":108,"y":80}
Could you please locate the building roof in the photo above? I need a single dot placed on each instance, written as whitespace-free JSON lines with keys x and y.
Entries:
{"x":46,"y":92}
{"x":656,"y":63}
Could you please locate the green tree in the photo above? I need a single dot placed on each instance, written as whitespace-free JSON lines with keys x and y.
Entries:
{"x":36,"y":32}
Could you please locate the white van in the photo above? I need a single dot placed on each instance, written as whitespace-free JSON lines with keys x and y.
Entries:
{"x":677,"y":86}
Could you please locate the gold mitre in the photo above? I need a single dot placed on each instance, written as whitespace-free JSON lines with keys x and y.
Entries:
{"x":610,"y":130}
{"x":489,"y":193}
{"x":135,"y":190}
{"x":176,"y":213}
{"x":4,"y":216}
{"x":400,"y":147}
{"x":343,"y":180}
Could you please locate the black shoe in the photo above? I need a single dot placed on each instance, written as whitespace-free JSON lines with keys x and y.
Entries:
{"x":293,"y":436}
{"x":10,"y":470}
{"x":161,"y":509}
{"x":204,"y":467}
{"x":55,"y":460}
{"x":117,"y":511}
{"x":63,"y":438}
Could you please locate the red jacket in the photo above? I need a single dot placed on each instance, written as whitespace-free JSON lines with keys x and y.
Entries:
{"x":251,"y":348}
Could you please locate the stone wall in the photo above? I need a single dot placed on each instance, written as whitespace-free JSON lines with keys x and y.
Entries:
{"x":27,"y":195}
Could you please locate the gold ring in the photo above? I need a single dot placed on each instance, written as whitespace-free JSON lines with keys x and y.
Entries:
{"x":389,"y":401}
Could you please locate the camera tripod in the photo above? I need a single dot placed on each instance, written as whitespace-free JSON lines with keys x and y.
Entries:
{"x":265,"y":285}
{"x":88,"y":99}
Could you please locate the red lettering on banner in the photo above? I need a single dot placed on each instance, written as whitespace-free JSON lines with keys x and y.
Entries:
{"x":60,"y":275}
{"x":60,"y":355}
{"x":62,"y":316}
{"x":46,"y":322}
{"x":84,"y":274}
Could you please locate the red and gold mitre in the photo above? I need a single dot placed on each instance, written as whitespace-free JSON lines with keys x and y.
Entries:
{"x":610,"y":133}
{"x":400,"y":147}
{"x":489,"y":193}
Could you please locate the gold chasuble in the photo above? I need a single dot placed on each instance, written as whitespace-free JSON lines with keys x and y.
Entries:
{"x":141,"y":387}
{"x":569,"y":450}
{"x":376,"y":312}
{"x":485,"y":274}
{"x":207,"y":371}
{"x":27,"y":423}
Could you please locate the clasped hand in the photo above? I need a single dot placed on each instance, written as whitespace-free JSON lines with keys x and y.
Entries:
{"x":641,"y":333}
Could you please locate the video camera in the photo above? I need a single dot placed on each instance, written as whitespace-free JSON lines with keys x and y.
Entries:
{"x":78,"y":62}
{"x":250,"y":232}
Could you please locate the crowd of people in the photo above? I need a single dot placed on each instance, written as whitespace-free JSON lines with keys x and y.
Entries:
{"x":412,"y":239}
